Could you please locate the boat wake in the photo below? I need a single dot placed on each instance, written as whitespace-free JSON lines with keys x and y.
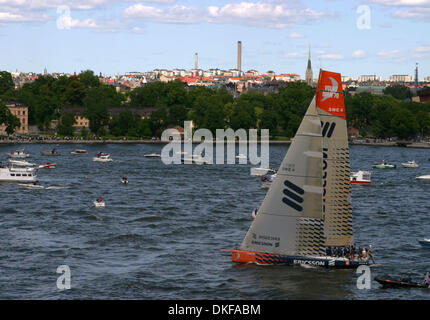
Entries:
{"x":39,"y":187}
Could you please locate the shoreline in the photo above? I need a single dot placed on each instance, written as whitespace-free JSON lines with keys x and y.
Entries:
{"x":119,"y":142}
{"x":420,"y":145}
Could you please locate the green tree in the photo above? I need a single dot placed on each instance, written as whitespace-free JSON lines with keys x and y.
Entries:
{"x":97,"y":102}
{"x":398,"y":91}
{"x":125,"y":123}
{"x":65,"y":127}
{"x":404,"y":124}
{"x":269,"y":120}
{"x":88,"y":79}
{"x":7,"y":87}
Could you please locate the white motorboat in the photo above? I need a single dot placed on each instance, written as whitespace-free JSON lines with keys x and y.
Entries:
{"x":18,"y":154}
{"x":195,"y":159}
{"x":241,"y":156}
{"x":102,"y":157}
{"x":266,"y":180}
{"x":259,"y":172}
{"x":410,"y":164}
{"x":424,"y":177}
{"x":152,"y":155}
{"x":31,"y":186}
{"x":50,"y":153}
{"x":79,"y":151}
{"x":360,"y":177}
{"x":47,"y":166}
{"x":18,"y":174}
{"x":21,"y":163}
{"x":99,"y":203}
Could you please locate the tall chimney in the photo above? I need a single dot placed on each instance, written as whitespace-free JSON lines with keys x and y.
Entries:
{"x":239,"y":55}
{"x":196,"y":62}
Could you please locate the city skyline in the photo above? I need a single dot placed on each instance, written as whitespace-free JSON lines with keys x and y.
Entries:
{"x":382,"y":37}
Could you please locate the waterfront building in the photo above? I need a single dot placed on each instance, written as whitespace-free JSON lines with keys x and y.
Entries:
{"x":21,"y":112}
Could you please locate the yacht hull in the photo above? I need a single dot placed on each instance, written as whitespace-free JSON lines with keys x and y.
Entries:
{"x":242,"y":256}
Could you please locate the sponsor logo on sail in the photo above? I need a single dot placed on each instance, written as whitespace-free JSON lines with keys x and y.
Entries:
{"x":327,"y":129}
{"x":331,"y":91}
{"x":293,"y":195}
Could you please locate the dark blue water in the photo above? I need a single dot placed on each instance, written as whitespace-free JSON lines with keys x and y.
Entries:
{"x":160,"y":236}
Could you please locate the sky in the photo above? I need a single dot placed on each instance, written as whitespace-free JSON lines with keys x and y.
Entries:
{"x":358,"y":37}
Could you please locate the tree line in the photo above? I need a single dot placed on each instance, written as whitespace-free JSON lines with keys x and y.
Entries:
{"x":173,"y":102}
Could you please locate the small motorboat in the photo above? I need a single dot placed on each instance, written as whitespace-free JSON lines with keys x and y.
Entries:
{"x":254,"y":213}
{"x":48,"y":166}
{"x":99,"y":203}
{"x":259,"y":172}
{"x":241,"y":156}
{"x":266,"y":180}
{"x":402,"y":283}
{"x":424,"y":242}
{"x":79,"y":151}
{"x":102,"y":157}
{"x":383,"y":165}
{"x":424,"y":177}
{"x":152,"y":155}
{"x":124,"y":180}
{"x":22,"y":163}
{"x":410,"y":164}
{"x":195,"y":159}
{"x":360,"y":177}
{"x":50,"y":153}
{"x":31,"y":186}
{"x":18,"y":154}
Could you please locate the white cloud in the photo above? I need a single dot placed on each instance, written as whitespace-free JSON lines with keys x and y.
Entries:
{"x":295,"y":55}
{"x":413,"y":14}
{"x":176,"y":14}
{"x":389,"y":54}
{"x":22,"y":17}
{"x":68,"y":22}
{"x":408,"y":9}
{"x":295,"y":35}
{"x":392,"y":56}
{"x":52,"y":4}
{"x":421,"y":52}
{"x":358,"y":54}
{"x":264,"y":13}
{"x":331,"y":56}
{"x":402,"y":3}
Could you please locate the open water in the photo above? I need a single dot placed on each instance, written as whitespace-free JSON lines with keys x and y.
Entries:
{"x":160,"y":236}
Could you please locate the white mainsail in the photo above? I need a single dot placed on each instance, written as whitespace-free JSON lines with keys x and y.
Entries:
{"x":308,"y":206}
{"x":290,"y":219}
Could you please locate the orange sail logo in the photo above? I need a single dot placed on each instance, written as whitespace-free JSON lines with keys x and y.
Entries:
{"x":330,"y":94}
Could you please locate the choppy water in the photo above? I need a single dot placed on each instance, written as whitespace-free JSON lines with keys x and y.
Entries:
{"x":160,"y":236}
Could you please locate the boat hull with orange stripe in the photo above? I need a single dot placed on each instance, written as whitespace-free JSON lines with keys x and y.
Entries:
{"x":242,"y":256}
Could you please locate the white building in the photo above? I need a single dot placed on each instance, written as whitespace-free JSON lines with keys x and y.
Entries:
{"x":400,"y":78}
{"x":365,"y":78}
{"x":347,"y":79}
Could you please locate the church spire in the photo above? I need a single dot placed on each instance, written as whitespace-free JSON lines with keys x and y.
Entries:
{"x":309,"y":73}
